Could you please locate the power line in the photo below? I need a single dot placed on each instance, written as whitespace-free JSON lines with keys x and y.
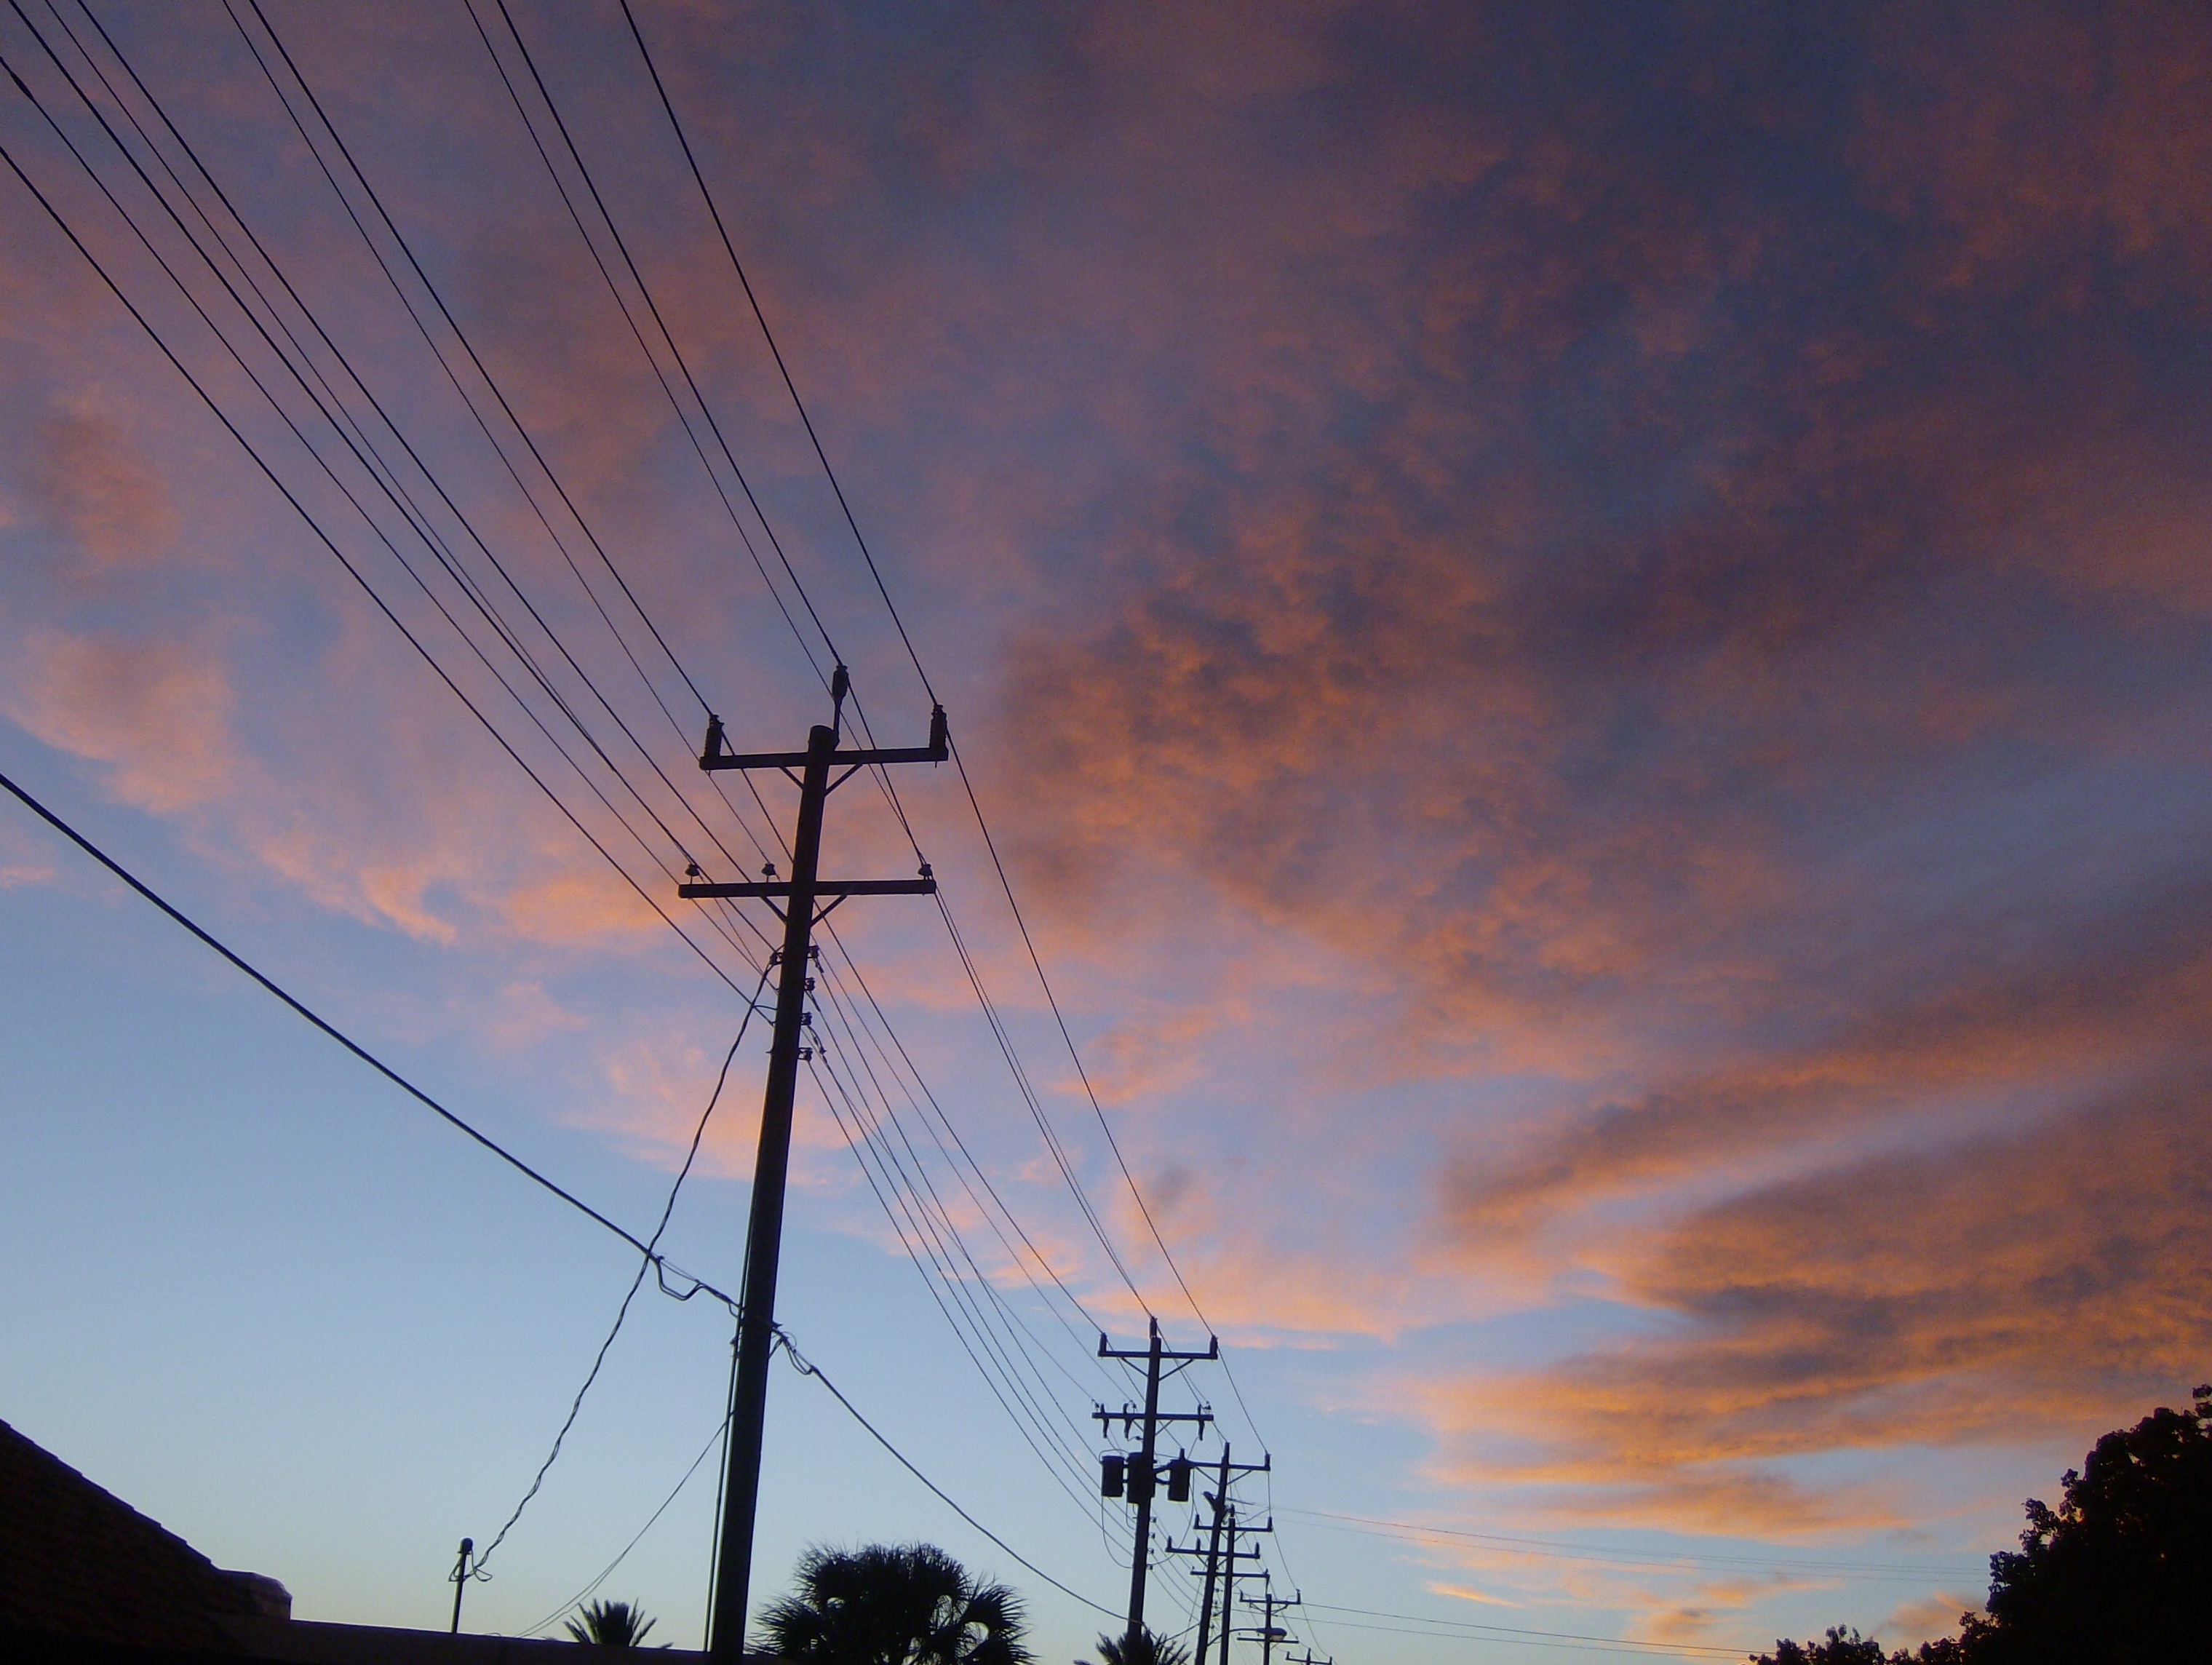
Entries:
{"x":315,"y":526}
{"x":804,"y":1368}
{"x":860,"y":541}
{"x":608,"y":1571}
{"x":576,"y":1405}
{"x":652,"y":1255}
{"x":277,"y":41}
{"x":387,"y":479}
{"x":769,"y":335}
{"x":683,"y":366}
{"x":860,"y":1143}
{"x":910,"y":1079}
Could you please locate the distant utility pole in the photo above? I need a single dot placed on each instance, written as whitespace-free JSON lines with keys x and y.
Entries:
{"x":1270,"y":1604}
{"x":460,"y":1575}
{"x":1138,"y":1472}
{"x":764,"y":1237}
{"x":1226,"y":1571}
{"x":1223,"y":1510}
{"x":1307,"y":1658}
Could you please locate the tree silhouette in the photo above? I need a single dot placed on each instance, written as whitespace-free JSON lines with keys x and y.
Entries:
{"x":611,"y":1624}
{"x":2116,"y":1575}
{"x":883,"y":1604}
{"x":1152,"y":1648}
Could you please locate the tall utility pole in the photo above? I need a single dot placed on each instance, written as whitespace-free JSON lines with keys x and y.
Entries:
{"x":1141,"y":1469}
{"x":1223,"y":1510}
{"x":764,"y":1235}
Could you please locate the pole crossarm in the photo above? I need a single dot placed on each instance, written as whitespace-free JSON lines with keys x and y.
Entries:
{"x":712,"y":756}
{"x":1130,"y":1415}
{"x":1167,"y":1355}
{"x":779,"y":889}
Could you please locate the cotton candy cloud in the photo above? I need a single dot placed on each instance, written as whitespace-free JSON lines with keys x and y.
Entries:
{"x":1587,"y":642}
{"x":158,"y":712}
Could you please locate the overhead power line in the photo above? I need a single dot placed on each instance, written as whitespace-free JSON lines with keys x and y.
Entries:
{"x":804,"y":1368}
{"x":652,"y":1256}
{"x":576,"y":1405}
{"x":860,"y":541}
{"x":608,"y":1571}
{"x":322,"y":533}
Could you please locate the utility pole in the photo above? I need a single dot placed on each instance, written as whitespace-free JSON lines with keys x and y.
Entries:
{"x":1225,"y":1570}
{"x":1140,"y":1470}
{"x":1223,"y":1511}
{"x":765,"y":1235}
{"x":460,"y":1576}
{"x":1307,"y":1658}
{"x":1270,"y":1633}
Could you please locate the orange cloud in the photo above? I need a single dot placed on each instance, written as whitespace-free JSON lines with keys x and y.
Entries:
{"x":93,"y":486}
{"x":2013,"y":1287}
{"x":159,"y":714}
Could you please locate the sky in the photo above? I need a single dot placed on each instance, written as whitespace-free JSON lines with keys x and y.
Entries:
{"x":1585,"y":635}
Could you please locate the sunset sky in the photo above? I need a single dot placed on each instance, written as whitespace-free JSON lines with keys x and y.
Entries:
{"x":1586,"y":632}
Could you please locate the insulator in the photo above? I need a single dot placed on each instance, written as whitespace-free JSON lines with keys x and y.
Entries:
{"x":1111,"y":1471}
{"x":1179,"y":1480}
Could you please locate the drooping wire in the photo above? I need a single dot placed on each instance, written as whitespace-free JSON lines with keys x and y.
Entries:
{"x":806,"y":1368}
{"x":652,"y":1255}
{"x":713,"y":1440}
{"x":576,"y":1405}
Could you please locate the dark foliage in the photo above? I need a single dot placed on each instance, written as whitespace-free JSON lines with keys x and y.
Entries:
{"x":611,"y":1624}
{"x":2119,"y":1574}
{"x":905,"y":1604}
{"x":1842,"y":1647}
{"x":1152,"y":1648}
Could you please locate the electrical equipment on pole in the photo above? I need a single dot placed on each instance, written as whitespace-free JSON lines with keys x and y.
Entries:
{"x":1137,"y":1473}
{"x":799,"y":895}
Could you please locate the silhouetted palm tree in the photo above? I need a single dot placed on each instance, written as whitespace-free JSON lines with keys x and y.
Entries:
{"x":1152,"y":1648}
{"x":611,"y":1624}
{"x":885,"y":1604}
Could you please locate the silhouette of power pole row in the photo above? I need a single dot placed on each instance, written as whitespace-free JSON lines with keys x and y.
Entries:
{"x":1137,"y":1474}
{"x":800,"y":896}
{"x":1220,"y":1563}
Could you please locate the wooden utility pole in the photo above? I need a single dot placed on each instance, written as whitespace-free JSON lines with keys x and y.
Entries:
{"x":1139,"y":1470}
{"x":1270,"y":1633}
{"x":1222,"y":1568}
{"x":1224,"y":1512}
{"x":799,"y":896}
{"x":461,"y":1574}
